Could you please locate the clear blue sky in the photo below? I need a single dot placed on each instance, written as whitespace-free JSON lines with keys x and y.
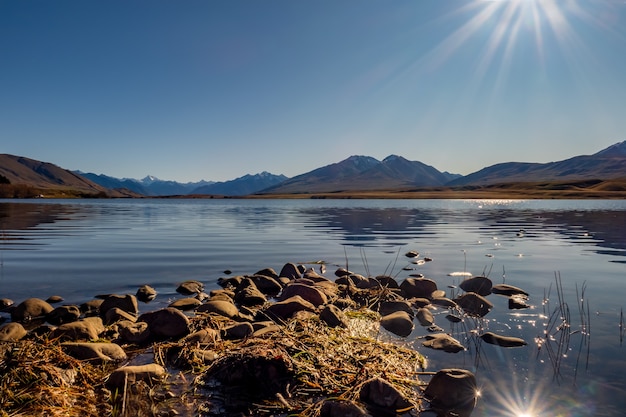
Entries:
{"x":215,"y":89}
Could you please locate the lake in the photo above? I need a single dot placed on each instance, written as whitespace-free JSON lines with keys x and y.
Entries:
{"x":559,"y":251}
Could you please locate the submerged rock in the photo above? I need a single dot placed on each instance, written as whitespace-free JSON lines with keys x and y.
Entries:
{"x":474,"y":304}
{"x":504,"y":341}
{"x":509,"y":290}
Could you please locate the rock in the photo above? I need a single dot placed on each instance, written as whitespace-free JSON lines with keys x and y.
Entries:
{"x":250,"y":296}
{"x":420,"y":302}
{"x":285,"y":309}
{"x":228,"y":293}
{"x":31,"y":308}
{"x":504,"y":341}
{"x":203,"y":337}
{"x":442,"y":341}
{"x":425,"y":317}
{"x":63,"y":314}
{"x":91,"y":308}
{"x":86,"y":329}
{"x":264,"y":327}
{"x":5,"y":303}
{"x":340,"y":272}
{"x":167,"y":323}
{"x":128,"y":375}
{"x":314,"y":276}
{"x":133,"y":332}
{"x":232,"y":282}
{"x":474,"y":304}
{"x":418,"y":287}
{"x":12,"y":332}
{"x":508,"y":290}
{"x":115,"y":314}
{"x":307,"y":292}
{"x":517,"y":302}
{"x":382,"y":397}
{"x":237,"y":331}
{"x":290,"y":271}
{"x":444,"y":302}
{"x":452,"y":392}
{"x":399,"y":323}
{"x":388,"y":307}
{"x":190,"y":287}
{"x":95,"y":352}
{"x":438,"y":294}
{"x":412,"y":254}
{"x":453,"y":318}
{"x":387,"y":281}
{"x":333,"y":316}
{"x":127,"y":303}
{"x":268,"y":272}
{"x":146,"y":293}
{"x":267,"y":285}
{"x":341,"y":408}
{"x":53,"y":299}
{"x":479,"y":285}
{"x":186,"y":304}
{"x":219,"y":307}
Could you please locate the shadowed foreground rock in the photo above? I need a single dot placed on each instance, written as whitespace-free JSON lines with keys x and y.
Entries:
{"x":452,"y":392}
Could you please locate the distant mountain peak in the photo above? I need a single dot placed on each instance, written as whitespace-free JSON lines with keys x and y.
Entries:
{"x":618,"y":149}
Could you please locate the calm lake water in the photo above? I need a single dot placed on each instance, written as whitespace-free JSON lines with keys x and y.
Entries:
{"x":78,"y":249}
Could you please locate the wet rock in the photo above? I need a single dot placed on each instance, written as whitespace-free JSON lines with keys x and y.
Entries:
{"x":232,"y":282}
{"x":268,"y":272}
{"x":307,"y":292}
{"x":504,"y":341}
{"x":418,"y":287}
{"x":11,"y":332}
{"x":479,"y":285}
{"x":444,"y":302}
{"x":63,"y":314}
{"x":115,"y":314}
{"x":146,"y":293}
{"x":333,"y":316}
{"x":425,"y":317}
{"x":190,"y":287}
{"x":127,"y":303}
{"x":95,"y":352}
{"x":518,"y":303}
{"x":203,"y":337}
{"x":31,"y":308}
{"x":128,"y":375}
{"x":412,"y":254}
{"x":474,"y":304}
{"x":237,"y":331}
{"x":452,"y":392}
{"x":219,"y":307}
{"x":53,"y":299}
{"x":186,"y":304}
{"x":133,"y":332}
{"x":342,"y":408}
{"x":290,"y":271}
{"x":398,"y":323}
{"x":85,"y":329}
{"x":382,"y":397}
{"x":442,"y":341}
{"x":454,"y":318}
{"x":508,"y":290}
{"x":285,"y":309}
{"x":167,"y":323}
{"x":388,"y":307}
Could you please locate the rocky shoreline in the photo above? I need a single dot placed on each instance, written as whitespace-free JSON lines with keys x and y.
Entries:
{"x":272,"y":344}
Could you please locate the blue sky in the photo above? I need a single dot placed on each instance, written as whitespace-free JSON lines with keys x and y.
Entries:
{"x":215,"y":89}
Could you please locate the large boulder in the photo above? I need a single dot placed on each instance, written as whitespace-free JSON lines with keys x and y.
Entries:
{"x":267,"y":285}
{"x":31,"y":308}
{"x":95,"y":352}
{"x":167,"y":323}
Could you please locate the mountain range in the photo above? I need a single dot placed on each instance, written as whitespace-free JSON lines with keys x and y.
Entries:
{"x":356,"y":173}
